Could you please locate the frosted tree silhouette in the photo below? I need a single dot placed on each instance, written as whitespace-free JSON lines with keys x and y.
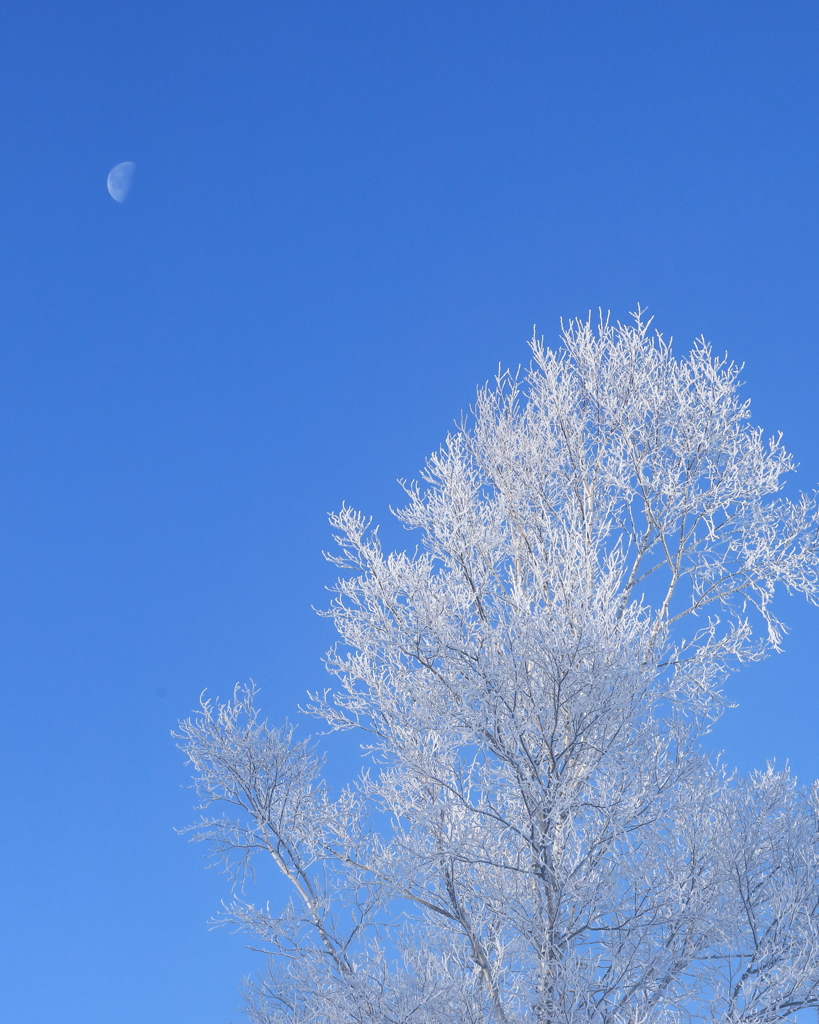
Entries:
{"x":539,"y":836}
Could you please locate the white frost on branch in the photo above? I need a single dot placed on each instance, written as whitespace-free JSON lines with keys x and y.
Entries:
{"x":540,"y":837}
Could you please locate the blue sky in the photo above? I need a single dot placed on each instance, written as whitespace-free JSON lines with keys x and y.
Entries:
{"x":344,"y":216}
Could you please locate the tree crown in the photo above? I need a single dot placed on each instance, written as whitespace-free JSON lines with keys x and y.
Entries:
{"x":600,"y":540}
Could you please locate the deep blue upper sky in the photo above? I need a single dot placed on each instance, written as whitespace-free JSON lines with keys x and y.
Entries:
{"x":344,"y":216}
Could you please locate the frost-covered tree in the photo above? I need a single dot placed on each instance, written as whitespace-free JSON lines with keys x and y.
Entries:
{"x":540,"y":836}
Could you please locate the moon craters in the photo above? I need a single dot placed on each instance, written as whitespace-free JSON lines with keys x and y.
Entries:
{"x":120,"y":180}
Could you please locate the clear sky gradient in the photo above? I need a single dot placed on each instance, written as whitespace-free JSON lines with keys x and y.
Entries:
{"x":344,"y":216}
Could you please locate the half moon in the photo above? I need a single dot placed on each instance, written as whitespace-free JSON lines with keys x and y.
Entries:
{"x":120,"y":179}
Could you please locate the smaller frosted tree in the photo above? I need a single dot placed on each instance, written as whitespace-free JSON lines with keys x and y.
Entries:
{"x":539,"y":836}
